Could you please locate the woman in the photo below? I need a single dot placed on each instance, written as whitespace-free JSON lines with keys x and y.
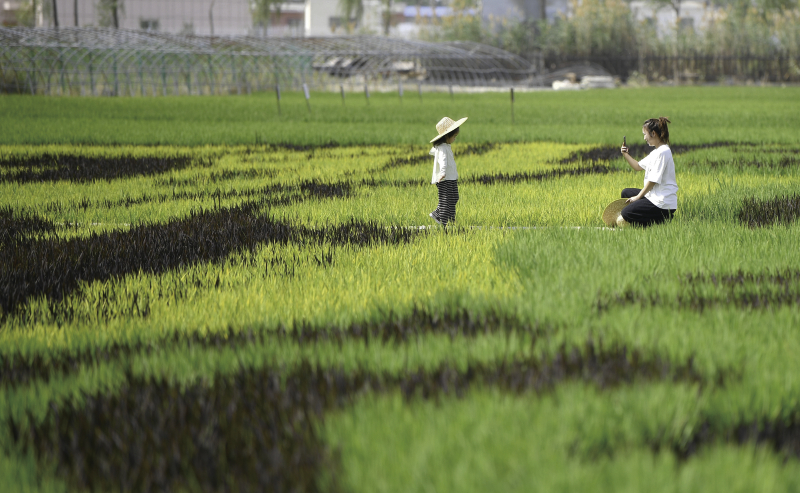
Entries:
{"x":658,"y":200}
{"x":445,"y":175}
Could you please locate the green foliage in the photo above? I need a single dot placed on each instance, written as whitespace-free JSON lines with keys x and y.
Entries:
{"x":26,"y":13}
{"x":607,"y":28}
{"x":263,"y":11}
{"x":597,"y":27}
{"x":458,"y":27}
{"x":577,"y":439}
{"x":352,"y":11}
{"x":108,"y":12}
{"x":762,"y":6}
{"x":754,"y":32}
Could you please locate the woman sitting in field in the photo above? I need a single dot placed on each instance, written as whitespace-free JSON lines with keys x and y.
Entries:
{"x":658,"y":200}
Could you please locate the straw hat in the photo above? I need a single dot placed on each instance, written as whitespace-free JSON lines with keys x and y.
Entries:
{"x":445,"y":126}
{"x":612,"y":211}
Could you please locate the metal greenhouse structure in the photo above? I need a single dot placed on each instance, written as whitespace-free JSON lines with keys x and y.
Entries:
{"x":113,"y":62}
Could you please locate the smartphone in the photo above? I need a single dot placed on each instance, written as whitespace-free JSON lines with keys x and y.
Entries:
{"x":623,"y":141}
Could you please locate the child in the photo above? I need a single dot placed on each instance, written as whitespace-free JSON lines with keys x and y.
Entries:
{"x":445,"y":175}
{"x":658,"y":200}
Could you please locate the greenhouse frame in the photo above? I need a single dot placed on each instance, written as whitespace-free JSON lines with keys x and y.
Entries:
{"x":115,"y":62}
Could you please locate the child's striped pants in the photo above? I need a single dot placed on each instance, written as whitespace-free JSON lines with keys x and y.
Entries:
{"x":448,"y":196}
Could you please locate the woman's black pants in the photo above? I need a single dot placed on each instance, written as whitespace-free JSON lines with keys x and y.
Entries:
{"x":448,"y":196}
{"x":643,"y":212}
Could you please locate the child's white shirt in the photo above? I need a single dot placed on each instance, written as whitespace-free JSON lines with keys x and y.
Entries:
{"x":444,"y":164}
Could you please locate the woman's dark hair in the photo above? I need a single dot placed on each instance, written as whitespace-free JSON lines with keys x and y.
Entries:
{"x":443,"y":138}
{"x":659,"y":126}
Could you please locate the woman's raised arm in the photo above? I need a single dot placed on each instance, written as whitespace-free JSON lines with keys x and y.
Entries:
{"x":631,"y":162}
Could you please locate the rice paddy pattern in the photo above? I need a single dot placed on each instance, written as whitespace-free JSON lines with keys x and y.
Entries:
{"x":293,"y":217}
{"x":54,"y":267}
{"x":79,"y":169}
{"x":16,"y":371}
{"x":256,"y":430}
{"x":780,"y":210}
{"x":743,"y":290}
{"x":19,"y":223}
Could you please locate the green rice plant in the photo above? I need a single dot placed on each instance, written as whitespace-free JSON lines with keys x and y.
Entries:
{"x":575,"y":439}
{"x":285,"y":177}
{"x":701,"y":115}
{"x":27,"y":475}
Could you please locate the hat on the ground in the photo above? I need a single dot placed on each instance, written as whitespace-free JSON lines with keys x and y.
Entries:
{"x":612,"y":211}
{"x":445,"y":126}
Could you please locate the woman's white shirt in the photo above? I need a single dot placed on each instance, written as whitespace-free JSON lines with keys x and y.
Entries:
{"x":444,"y":164}
{"x":659,"y":168}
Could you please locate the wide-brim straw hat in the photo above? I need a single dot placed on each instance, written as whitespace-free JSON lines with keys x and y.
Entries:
{"x":612,"y":211}
{"x":445,"y":126}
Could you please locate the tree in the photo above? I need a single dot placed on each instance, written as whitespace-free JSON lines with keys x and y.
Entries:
{"x":387,"y":16}
{"x":762,"y":6}
{"x":211,"y":16}
{"x":463,"y":25}
{"x":54,"y":15}
{"x":108,"y":12}
{"x":263,"y":12}
{"x":673,"y":4}
{"x":352,"y":12}
{"x":26,"y":15}
{"x":777,"y":5}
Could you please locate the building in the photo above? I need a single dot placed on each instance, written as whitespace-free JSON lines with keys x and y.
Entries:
{"x":500,"y":10}
{"x":323,"y":18}
{"x":693,"y":15}
{"x":513,"y":9}
{"x":308,"y":17}
{"x":8,"y":16}
{"x":218,"y":17}
{"x":225,"y":17}
{"x":287,"y":20}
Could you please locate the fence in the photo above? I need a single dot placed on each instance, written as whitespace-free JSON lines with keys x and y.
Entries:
{"x":114,"y":62}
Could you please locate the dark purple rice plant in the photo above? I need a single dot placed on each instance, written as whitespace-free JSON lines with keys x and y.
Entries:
{"x":75,"y":168}
{"x":16,"y":223}
{"x":760,"y":213}
{"x":54,"y":267}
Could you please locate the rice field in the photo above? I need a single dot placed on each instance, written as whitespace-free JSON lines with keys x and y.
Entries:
{"x":272,"y":315}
